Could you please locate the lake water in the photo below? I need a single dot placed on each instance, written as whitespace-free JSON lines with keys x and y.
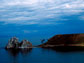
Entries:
{"x":40,"y":55}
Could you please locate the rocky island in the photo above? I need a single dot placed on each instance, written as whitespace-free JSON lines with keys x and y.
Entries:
{"x":14,"y":43}
{"x":65,"y":40}
{"x":57,"y":40}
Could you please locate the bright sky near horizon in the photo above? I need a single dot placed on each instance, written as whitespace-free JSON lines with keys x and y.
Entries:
{"x":38,"y":19}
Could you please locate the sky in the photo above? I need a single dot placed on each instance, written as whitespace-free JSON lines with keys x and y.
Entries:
{"x":35,"y":20}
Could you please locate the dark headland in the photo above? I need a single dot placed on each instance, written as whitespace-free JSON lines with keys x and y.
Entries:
{"x":65,"y":43}
{"x":65,"y":40}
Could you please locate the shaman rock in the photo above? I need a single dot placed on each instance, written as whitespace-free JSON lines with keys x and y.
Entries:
{"x":13,"y":43}
{"x":25,"y":44}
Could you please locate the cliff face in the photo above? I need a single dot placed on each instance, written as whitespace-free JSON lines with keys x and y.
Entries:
{"x":25,"y":44}
{"x":65,"y":39}
{"x":14,"y":43}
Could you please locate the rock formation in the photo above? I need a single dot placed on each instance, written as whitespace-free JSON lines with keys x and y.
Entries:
{"x":65,"y":40}
{"x":25,"y":44}
{"x":14,"y":43}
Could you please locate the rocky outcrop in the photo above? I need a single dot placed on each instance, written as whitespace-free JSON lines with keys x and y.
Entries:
{"x":25,"y":44}
{"x":14,"y":43}
{"x":65,"y":40}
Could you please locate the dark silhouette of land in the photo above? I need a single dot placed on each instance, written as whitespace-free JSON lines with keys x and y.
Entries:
{"x":65,"y":40}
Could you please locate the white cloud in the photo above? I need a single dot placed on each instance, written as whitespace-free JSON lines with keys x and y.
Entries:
{"x":30,"y":31}
{"x":26,"y":31}
{"x":34,"y":11}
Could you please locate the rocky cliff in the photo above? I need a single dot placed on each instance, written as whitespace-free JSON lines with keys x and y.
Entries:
{"x":25,"y":44}
{"x":65,"y":40}
{"x":14,"y":43}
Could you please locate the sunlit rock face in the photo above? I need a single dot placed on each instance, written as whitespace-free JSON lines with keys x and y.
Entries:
{"x":14,"y":43}
{"x":25,"y":44}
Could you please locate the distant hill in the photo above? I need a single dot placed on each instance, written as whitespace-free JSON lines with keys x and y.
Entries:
{"x":65,"y":40}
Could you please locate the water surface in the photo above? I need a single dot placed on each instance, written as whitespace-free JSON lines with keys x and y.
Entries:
{"x":40,"y":55}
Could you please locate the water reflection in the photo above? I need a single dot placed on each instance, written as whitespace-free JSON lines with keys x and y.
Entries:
{"x":15,"y":52}
{"x":43,"y":55}
{"x":67,"y":49}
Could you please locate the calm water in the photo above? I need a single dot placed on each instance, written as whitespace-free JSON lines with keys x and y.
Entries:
{"x":40,"y":55}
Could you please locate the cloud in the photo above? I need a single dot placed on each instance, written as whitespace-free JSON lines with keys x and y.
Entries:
{"x":30,"y":31}
{"x":34,"y":11}
{"x":81,"y":17}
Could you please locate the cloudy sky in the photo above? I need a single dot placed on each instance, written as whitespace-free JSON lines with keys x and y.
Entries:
{"x":38,"y":19}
